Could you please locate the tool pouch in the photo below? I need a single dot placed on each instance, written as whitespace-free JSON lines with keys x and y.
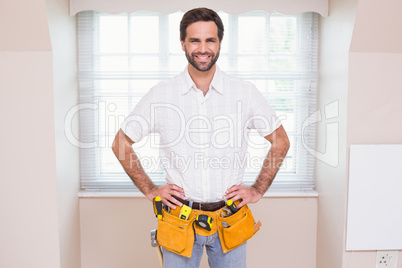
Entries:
{"x":241,"y":228}
{"x":175,"y":234}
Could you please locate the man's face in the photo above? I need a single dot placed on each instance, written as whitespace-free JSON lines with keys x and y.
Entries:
{"x":202,"y":45}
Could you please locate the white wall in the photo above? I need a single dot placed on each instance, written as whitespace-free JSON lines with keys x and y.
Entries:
{"x":28,"y":200}
{"x":335,"y":35}
{"x":62,"y":29}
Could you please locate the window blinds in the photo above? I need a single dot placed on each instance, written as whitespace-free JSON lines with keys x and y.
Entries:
{"x":122,"y":56}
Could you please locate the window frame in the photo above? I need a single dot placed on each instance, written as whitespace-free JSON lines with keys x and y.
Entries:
{"x":97,"y":180}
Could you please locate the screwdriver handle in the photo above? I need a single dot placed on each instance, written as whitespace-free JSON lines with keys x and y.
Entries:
{"x":158,"y":207}
{"x":232,"y":206}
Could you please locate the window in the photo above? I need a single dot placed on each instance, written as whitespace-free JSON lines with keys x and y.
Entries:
{"x":122,"y":56}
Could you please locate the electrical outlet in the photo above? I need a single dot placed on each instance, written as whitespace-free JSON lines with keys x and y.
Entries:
{"x":386,"y":259}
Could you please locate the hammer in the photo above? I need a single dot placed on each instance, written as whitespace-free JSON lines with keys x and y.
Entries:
{"x":154,"y":244}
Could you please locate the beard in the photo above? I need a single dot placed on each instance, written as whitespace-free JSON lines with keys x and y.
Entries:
{"x":202,"y":67}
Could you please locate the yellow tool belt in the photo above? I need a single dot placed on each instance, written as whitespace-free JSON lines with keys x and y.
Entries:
{"x":177,"y":235}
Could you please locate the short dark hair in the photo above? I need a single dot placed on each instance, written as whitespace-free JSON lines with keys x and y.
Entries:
{"x":200,"y":14}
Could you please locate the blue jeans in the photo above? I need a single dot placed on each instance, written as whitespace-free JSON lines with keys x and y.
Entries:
{"x":236,"y":258}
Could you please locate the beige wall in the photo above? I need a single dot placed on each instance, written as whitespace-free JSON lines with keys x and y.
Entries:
{"x":116,"y":233}
{"x":28,"y":198}
{"x":39,"y":224}
{"x":375,"y":88}
{"x":375,"y":109}
{"x":359,"y":66}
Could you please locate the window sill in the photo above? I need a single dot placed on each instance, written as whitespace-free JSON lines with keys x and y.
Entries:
{"x":269,"y":194}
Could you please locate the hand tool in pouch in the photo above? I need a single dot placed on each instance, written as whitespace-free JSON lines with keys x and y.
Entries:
{"x":204,"y":221}
{"x":158,"y":207}
{"x":232,"y":206}
{"x":225,"y":224}
{"x":184,"y":212}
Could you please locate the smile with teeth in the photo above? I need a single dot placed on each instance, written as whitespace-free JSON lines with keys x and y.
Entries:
{"x":202,"y":57}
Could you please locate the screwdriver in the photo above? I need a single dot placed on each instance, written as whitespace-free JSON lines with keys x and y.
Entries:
{"x":232,"y":206}
{"x":158,"y":207}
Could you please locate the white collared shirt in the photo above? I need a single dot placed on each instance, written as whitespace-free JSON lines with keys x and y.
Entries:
{"x":203,"y":139}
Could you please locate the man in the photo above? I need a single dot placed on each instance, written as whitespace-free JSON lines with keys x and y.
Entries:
{"x":203,"y":117}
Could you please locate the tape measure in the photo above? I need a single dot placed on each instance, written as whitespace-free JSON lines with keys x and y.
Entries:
{"x":204,"y":221}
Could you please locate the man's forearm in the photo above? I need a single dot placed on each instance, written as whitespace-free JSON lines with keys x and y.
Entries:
{"x":270,"y":168}
{"x":271,"y":164}
{"x":131,"y":164}
{"x":122,"y":148}
{"x":137,"y":174}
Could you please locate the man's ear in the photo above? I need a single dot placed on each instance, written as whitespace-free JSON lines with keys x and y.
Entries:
{"x":182,"y":45}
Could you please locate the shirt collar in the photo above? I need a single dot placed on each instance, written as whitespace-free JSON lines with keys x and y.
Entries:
{"x":216,"y":83}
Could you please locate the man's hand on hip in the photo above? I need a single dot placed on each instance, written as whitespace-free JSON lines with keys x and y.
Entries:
{"x":247,"y":194}
{"x":166,"y":193}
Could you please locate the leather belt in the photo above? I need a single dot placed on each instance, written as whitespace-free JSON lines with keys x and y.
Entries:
{"x":206,"y":206}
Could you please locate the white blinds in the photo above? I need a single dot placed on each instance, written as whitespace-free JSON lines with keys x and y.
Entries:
{"x":122,"y":56}
{"x":290,"y":7}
